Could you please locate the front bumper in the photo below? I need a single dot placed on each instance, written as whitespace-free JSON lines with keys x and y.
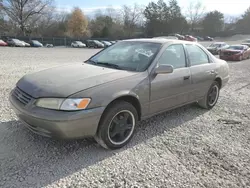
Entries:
{"x":59,"y":124}
{"x":231,"y":57}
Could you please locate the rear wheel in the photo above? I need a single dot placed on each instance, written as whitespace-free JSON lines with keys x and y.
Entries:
{"x":117,"y":125}
{"x":212,"y":96}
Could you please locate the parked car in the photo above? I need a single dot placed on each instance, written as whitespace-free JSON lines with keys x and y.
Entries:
{"x":94,"y":44}
{"x":167,"y":37}
{"x":25,"y":44}
{"x":216,"y":47}
{"x":190,"y":38}
{"x":106,"y":44}
{"x":199,"y":38}
{"x":2,"y":43}
{"x":49,"y":45}
{"x":107,"y":95}
{"x":246,"y":42}
{"x":112,"y":42}
{"x":15,"y":43}
{"x":78,"y":44}
{"x":235,"y":52}
{"x":207,"y":38}
{"x":36,"y":43}
{"x":180,"y":37}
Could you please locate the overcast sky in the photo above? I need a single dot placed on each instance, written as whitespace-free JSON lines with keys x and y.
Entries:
{"x":230,"y":7}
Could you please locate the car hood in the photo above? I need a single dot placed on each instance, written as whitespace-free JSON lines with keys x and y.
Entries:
{"x":64,"y":81}
{"x":211,"y":48}
{"x":228,"y":50}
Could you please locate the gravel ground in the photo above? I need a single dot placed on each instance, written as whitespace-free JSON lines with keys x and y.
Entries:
{"x":186,"y":147}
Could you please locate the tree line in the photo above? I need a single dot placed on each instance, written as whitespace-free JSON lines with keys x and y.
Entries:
{"x":42,"y":18}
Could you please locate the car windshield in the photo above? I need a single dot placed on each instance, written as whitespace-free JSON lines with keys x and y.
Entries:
{"x":78,"y":42}
{"x":106,"y":42}
{"x":96,"y":41}
{"x":36,"y":42}
{"x":215,"y":45}
{"x":127,"y":55}
{"x":16,"y":40}
{"x":236,"y":47}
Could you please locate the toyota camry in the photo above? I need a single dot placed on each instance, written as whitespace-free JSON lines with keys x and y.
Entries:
{"x":108,"y":94}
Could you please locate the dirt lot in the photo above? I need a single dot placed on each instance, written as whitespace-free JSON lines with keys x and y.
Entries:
{"x":187,"y":147}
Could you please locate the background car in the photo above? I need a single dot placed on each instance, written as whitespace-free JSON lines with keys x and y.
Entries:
{"x":216,"y":47}
{"x":2,"y":43}
{"x":94,"y":44}
{"x":49,"y":45}
{"x":199,"y":38}
{"x":207,"y":38}
{"x":25,"y":44}
{"x":78,"y":44}
{"x":235,"y":52}
{"x":190,"y":38}
{"x":15,"y":43}
{"x":167,"y":37}
{"x":246,"y":42}
{"x":36,"y":43}
{"x":106,"y":43}
{"x":112,"y":42}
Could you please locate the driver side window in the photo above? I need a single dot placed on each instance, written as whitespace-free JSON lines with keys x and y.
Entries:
{"x":174,"y":55}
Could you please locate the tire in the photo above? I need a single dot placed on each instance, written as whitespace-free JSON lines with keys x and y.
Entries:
{"x":107,"y":123}
{"x":205,"y":102}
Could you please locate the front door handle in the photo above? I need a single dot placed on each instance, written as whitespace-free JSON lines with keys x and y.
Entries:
{"x":186,"y":77}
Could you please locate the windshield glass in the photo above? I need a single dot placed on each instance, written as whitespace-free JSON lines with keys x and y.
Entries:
{"x":79,"y":42}
{"x":96,"y":41}
{"x":215,"y":45}
{"x":36,"y":42}
{"x":128,"y":55}
{"x":236,"y":47}
{"x":16,"y":40}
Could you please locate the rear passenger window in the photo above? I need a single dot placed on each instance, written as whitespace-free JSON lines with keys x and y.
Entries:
{"x":196,"y":55}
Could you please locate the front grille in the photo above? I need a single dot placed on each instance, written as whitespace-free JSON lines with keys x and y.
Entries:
{"x":230,"y":53}
{"x":21,"y":96}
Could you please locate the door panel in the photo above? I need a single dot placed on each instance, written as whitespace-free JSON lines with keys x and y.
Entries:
{"x":203,"y":71}
{"x":170,"y":90}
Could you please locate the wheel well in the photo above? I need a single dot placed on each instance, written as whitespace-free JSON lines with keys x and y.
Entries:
{"x":219,"y":81}
{"x":130,"y":99}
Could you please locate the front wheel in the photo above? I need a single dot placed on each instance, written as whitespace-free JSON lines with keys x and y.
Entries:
{"x":212,"y":96}
{"x":117,"y":125}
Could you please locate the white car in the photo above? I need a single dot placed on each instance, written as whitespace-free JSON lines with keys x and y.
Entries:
{"x":25,"y":44}
{"x":78,"y":44}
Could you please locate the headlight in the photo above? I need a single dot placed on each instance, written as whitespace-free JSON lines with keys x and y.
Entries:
{"x":63,"y":104}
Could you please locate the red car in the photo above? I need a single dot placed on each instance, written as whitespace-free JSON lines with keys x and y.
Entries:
{"x":235,"y":52}
{"x":190,"y":38}
{"x":2,"y":43}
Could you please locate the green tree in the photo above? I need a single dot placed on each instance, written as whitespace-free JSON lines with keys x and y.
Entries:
{"x":213,"y":23}
{"x":243,"y":24}
{"x":163,"y":19}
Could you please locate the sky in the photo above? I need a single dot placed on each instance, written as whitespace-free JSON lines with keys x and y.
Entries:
{"x":229,"y":7}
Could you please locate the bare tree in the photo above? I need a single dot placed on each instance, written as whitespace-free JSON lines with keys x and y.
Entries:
{"x":131,"y":17}
{"x":22,"y":12}
{"x":195,"y":13}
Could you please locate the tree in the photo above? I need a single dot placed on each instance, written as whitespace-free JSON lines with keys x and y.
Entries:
{"x":163,"y":19}
{"x":77,"y":24}
{"x":195,"y":13}
{"x":213,"y":23}
{"x":242,"y":24}
{"x":21,"y":12}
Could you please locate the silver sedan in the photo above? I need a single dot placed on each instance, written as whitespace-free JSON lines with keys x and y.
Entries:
{"x":107,"y":95}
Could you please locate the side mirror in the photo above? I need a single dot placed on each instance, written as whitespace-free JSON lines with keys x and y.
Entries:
{"x":164,"y":69}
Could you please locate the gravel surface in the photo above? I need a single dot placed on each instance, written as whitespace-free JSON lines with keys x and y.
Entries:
{"x":186,"y":147}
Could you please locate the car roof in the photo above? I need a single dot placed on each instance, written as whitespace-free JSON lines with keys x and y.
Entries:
{"x":158,"y":40}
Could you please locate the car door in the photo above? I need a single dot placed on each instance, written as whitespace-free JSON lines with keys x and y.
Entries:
{"x":172,"y":89}
{"x":203,"y":70}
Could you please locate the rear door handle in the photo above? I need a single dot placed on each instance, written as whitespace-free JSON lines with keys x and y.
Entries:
{"x":186,"y":77}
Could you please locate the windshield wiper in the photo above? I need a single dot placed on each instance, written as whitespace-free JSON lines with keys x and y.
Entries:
{"x":109,"y":65}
